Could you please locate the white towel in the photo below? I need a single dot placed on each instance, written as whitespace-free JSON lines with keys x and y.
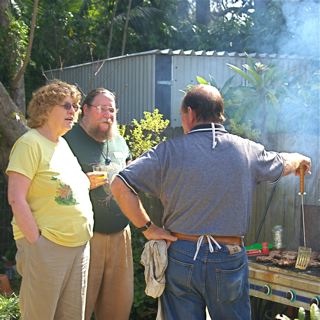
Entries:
{"x":154,"y":258}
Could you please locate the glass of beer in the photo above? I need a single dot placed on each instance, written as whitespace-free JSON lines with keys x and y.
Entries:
{"x":107,"y":172}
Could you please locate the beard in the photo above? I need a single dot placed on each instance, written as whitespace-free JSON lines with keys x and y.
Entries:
{"x":100,"y":134}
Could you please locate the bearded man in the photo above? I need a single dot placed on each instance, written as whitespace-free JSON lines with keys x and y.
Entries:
{"x":95,"y":140}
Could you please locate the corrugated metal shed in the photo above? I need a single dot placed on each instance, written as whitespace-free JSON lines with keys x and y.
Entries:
{"x":155,"y":79}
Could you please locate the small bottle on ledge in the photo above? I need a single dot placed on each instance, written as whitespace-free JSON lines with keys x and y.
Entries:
{"x":277,"y":232}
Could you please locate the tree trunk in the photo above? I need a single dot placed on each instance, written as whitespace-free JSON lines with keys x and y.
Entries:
{"x":17,"y":83}
{"x":203,"y":12}
{"x":125,"y":29}
{"x":115,"y":5}
{"x":18,"y":94}
{"x":183,"y":8}
{"x":12,"y":125}
{"x":4,"y":5}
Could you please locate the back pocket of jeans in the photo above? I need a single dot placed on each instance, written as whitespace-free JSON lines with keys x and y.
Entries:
{"x":231,"y":283}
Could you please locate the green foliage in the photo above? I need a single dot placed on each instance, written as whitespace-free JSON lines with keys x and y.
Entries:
{"x":245,"y":130}
{"x":271,"y":96}
{"x":257,"y":101}
{"x":146,"y":133}
{"x":268,"y":24}
{"x":225,"y":27}
{"x":301,"y":313}
{"x":314,"y":314}
{"x":13,"y":44}
{"x":18,"y":30}
{"x":267,"y":96}
{"x":9,"y":307}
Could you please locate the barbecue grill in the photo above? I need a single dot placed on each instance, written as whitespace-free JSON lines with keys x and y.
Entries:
{"x":288,"y":286}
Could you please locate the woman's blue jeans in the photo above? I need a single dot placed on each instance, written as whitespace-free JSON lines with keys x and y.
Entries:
{"x":217,"y":280}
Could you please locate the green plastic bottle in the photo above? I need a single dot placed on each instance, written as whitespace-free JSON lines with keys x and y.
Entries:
{"x":257,"y":246}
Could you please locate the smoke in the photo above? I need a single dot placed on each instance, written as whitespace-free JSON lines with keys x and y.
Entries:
{"x":301,"y":111}
{"x":301,"y":115}
{"x":303,"y":23}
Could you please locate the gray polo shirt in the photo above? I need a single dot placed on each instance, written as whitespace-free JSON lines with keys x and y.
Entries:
{"x":204,"y":189}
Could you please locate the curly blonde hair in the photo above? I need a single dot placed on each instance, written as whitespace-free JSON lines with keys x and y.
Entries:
{"x":46,"y":97}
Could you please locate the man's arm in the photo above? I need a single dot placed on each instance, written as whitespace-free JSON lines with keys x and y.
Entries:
{"x":293,"y":161}
{"x":133,"y":209}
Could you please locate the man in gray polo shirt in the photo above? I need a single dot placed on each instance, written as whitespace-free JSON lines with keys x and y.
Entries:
{"x":205,"y":180}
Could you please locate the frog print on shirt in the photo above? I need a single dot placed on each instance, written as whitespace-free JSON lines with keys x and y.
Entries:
{"x":64,"y":195}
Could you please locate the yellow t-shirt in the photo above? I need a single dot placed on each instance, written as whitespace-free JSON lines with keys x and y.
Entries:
{"x":59,"y":192}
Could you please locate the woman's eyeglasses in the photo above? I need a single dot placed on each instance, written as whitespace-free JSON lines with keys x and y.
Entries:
{"x":68,"y":105}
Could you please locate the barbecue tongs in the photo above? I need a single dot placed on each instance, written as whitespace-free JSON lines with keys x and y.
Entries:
{"x":304,"y":253}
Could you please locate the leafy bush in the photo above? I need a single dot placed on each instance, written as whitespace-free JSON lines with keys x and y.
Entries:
{"x":9,"y":307}
{"x":314,"y":314}
{"x":146,"y":133}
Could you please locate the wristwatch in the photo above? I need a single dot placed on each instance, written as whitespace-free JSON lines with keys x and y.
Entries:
{"x":145,"y":227}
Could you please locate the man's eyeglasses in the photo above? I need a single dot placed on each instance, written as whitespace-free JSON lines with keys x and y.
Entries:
{"x":104,"y":109}
{"x":68,"y":105}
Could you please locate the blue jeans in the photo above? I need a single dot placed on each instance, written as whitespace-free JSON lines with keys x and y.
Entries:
{"x":217,"y":280}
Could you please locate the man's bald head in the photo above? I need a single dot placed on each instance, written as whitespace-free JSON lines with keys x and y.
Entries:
{"x":206,"y":102}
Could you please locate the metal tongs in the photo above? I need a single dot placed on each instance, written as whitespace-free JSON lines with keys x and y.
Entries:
{"x":304,"y":253}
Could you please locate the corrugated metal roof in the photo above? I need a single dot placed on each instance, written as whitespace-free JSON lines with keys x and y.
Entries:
{"x":209,"y":53}
{"x":227,"y":54}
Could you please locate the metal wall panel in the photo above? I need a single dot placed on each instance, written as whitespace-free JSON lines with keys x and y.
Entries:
{"x":185,"y":69}
{"x":131,"y":78}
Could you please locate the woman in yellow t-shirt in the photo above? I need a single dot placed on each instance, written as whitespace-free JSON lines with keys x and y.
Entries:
{"x":52,"y":213}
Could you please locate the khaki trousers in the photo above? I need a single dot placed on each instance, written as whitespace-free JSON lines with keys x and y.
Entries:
{"x":54,"y":280}
{"x":110,"y":281}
